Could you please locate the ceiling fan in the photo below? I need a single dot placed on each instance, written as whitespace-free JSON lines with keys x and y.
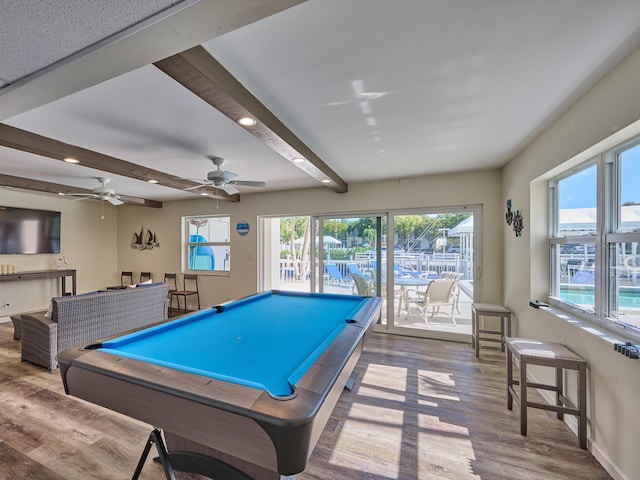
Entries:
{"x":224,"y":179}
{"x":102,"y":193}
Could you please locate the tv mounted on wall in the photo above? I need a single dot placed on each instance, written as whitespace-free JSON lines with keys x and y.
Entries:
{"x":28,"y":231}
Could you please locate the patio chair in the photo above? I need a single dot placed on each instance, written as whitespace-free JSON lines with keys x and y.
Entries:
{"x":397,"y":293}
{"x":441,"y":292}
{"x":403,"y":272}
{"x":397,"y":270}
{"x":335,"y":276}
{"x":453,"y":276}
{"x":362,"y":285}
{"x":354,"y":269}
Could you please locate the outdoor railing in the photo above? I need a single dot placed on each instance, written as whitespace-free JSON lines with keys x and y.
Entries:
{"x":432,"y":264}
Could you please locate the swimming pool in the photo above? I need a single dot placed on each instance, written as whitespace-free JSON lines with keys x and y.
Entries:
{"x":628,"y":297}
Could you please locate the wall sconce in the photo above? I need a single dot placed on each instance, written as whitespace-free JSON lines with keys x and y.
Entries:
{"x":515,"y":219}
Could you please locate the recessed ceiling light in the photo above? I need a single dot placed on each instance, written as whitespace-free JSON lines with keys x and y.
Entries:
{"x":247,"y":121}
{"x":152,"y":181}
{"x":326,"y":180}
{"x":71,"y":160}
{"x":204,"y":194}
{"x":61,"y":193}
{"x":297,"y":160}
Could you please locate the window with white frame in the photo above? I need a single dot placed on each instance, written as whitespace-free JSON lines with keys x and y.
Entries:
{"x":206,"y":245}
{"x":595,"y":238}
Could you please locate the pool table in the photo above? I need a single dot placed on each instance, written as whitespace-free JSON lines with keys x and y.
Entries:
{"x":246,"y":386}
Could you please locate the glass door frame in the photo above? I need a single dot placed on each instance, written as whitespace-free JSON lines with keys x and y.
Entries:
{"x":389,"y":326}
{"x":317,"y":232}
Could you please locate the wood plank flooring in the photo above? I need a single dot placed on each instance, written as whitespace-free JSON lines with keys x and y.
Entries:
{"x":420,"y":409}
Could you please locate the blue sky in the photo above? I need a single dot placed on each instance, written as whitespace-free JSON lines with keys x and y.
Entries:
{"x":579,"y":191}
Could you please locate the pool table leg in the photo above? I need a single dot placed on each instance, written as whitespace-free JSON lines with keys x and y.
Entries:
{"x":163,"y":458}
{"x":188,"y":462}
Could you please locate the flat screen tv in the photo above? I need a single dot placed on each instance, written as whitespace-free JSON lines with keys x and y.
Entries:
{"x":27,"y":231}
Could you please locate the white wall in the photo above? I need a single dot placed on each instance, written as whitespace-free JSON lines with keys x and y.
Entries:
{"x":87,"y":241}
{"x":437,"y":191}
{"x":603,"y":117}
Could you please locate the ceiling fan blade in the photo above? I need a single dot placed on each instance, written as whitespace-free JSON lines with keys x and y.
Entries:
{"x":82,"y":196}
{"x":197,"y":186}
{"x":247,"y":183}
{"x":230,"y":189}
{"x":114,"y":200}
{"x":129,"y":199}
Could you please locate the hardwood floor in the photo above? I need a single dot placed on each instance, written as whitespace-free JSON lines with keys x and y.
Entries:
{"x":420,"y":410}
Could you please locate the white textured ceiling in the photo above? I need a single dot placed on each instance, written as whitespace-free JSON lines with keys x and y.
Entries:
{"x":377,"y":89}
{"x":39,"y":33}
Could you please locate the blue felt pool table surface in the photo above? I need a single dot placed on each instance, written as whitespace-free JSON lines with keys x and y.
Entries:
{"x":266,"y":341}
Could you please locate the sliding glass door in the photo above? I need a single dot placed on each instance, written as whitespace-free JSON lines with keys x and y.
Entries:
{"x":421,"y":263}
{"x":323,"y":253}
{"x":351,"y":248}
{"x":429,"y":272}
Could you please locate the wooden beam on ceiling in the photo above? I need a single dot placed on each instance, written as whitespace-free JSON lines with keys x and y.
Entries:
{"x":56,"y":189}
{"x":26,"y":141}
{"x":174,"y":29}
{"x":199,"y":72}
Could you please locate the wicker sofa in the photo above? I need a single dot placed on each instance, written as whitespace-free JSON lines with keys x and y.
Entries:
{"x":88,"y":317}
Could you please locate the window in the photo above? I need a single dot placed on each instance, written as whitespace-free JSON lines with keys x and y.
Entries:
{"x":206,"y":243}
{"x":595,"y":238}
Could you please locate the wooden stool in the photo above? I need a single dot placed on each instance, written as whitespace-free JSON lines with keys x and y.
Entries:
{"x":489,"y":310}
{"x":548,"y":354}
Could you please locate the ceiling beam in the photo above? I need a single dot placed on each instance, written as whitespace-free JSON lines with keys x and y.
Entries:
{"x":173,"y":30}
{"x":199,"y":72}
{"x":26,"y":141}
{"x":56,"y":189}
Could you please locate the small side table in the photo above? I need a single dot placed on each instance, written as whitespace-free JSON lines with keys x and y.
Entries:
{"x":489,"y":310}
{"x":547,"y":354}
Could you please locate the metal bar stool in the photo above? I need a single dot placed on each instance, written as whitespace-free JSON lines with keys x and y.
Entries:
{"x":187,"y":291}
{"x":172,"y":280}
{"x":547,"y":354}
{"x":123,"y":276}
